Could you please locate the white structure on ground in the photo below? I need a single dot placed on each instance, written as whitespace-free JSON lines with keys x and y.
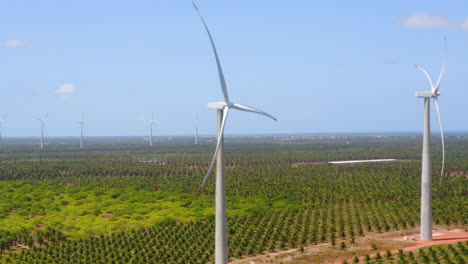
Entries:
{"x":361,"y":161}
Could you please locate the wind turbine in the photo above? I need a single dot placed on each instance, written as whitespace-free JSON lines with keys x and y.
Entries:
{"x":426,"y":172}
{"x":42,"y":128}
{"x":81,"y":130}
{"x":151,"y":124}
{"x":221,"y":245}
{"x":196,"y":129}
{"x":1,"y":129}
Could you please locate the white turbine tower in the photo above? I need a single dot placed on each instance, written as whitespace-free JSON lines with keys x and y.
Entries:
{"x":151,"y":124}
{"x":196,"y":129}
{"x":81,"y":130}
{"x":42,"y":128}
{"x":221,"y":245}
{"x":426,"y":172}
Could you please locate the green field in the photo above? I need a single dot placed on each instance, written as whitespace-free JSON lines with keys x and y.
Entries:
{"x":97,"y":205}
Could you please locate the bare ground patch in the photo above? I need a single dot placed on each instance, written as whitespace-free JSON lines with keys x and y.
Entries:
{"x":326,"y":253}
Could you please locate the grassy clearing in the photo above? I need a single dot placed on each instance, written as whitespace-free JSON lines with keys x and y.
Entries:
{"x":80,"y":211}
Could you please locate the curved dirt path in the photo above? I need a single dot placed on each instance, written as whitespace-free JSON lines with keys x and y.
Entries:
{"x":439,"y":238}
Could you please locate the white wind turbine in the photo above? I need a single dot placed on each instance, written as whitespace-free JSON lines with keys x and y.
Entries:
{"x":151,"y":124}
{"x":426,"y":172}
{"x":221,"y":245}
{"x":81,"y":130}
{"x":196,"y":129}
{"x":42,"y":128}
{"x":2,"y":121}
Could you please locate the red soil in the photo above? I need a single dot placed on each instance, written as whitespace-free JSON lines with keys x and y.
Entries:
{"x":442,"y":237}
{"x":439,"y":238}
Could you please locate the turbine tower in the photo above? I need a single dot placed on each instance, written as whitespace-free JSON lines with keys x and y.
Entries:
{"x":42,"y":129}
{"x":426,"y":172}
{"x":81,"y":130}
{"x":221,"y":244}
{"x":196,"y":129}
{"x":151,"y":124}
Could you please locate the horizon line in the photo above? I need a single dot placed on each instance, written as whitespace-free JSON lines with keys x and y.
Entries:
{"x":402,"y":133}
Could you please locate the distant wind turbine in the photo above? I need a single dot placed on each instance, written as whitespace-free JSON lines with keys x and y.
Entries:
{"x":42,"y":128}
{"x":151,"y":124}
{"x":426,"y":172}
{"x":81,"y":130}
{"x":221,"y":246}
{"x":196,"y":129}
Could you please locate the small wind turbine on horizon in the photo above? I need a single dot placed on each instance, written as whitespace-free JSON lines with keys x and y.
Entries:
{"x":426,"y":172}
{"x":196,"y":129}
{"x":81,"y":130}
{"x":151,"y":124}
{"x":41,"y":120}
{"x":221,"y":244}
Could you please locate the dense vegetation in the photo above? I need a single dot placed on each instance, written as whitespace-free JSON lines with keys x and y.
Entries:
{"x":441,"y":254}
{"x":98,"y":205}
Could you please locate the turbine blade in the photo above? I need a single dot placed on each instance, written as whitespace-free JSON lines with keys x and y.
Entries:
{"x":253,"y":110}
{"x":435,"y":91}
{"x":427,"y":75}
{"x":218,"y":144}
{"x":46,"y":115}
{"x":37,"y":118}
{"x":436,"y":100}
{"x":218,"y":63}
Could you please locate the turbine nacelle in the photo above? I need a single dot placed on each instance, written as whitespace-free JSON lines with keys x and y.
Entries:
{"x":231,"y":105}
{"x":220,"y":105}
{"x":425,"y":94}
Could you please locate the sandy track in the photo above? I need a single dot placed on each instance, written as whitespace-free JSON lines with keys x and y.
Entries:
{"x":439,"y":238}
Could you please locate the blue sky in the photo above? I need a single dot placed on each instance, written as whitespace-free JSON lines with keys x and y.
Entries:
{"x":318,"y":66}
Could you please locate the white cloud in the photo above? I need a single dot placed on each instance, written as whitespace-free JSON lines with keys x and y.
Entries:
{"x":14,"y":43}
{"x":424,"y":21}
{"x":429,"y":21}
{"x":66,"y":90}
{"x":464,"y":25}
